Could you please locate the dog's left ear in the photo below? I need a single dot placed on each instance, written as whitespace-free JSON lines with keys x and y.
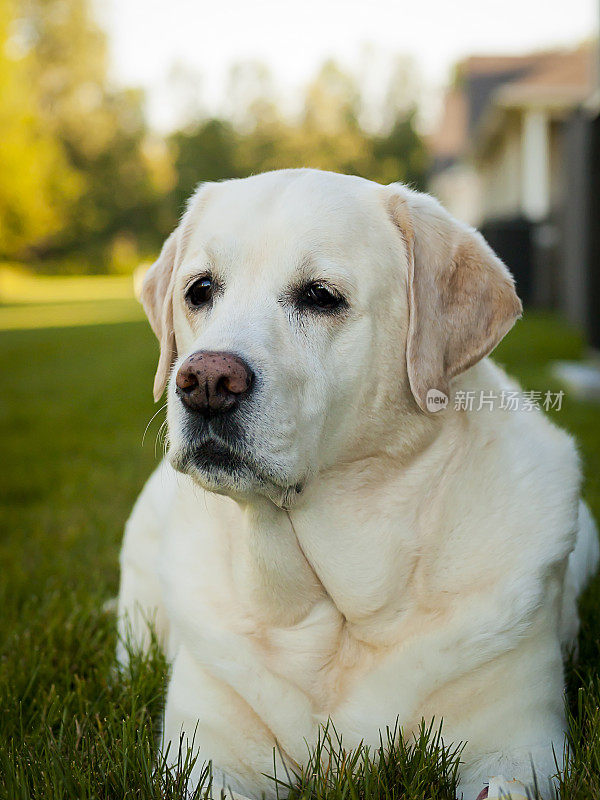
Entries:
{"x":461,"y":297}
{"x":157,"y":299}
{"x":157,"y":290}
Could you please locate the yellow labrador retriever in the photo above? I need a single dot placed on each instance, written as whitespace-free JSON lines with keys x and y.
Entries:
{"x":322,"y":541}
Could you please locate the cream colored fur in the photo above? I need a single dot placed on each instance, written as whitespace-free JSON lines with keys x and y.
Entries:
{"x":383,"y":562}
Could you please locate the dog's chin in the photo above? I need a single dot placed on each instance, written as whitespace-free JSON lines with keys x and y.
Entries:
{"x":217,"y":468}
{"x":220,"y":469}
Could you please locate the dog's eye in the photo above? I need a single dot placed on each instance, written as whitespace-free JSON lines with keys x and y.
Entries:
{"x":320,"y":297}
{"x":200,"y":292}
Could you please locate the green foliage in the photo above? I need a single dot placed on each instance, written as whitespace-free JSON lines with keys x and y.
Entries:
{"x":37,"y":184}
{"x":204,"y":153}
{"x":214,"y":149}
{"x":86,"y":187}
{"x":400,"y":155}
{"x":70,"y":726}
{"x":75,"y":175}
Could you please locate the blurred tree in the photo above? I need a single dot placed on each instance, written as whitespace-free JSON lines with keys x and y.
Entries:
{"x":206,"y":152}
{"x":331,"y":101}
{"x":102,"y":131}
{"x":250,"y":97}
{"x":401,"y":154}
{"x":37,"y":184}
{"x":98,"y":183}
{"x":401,"y":93}
{"x":85,"y":186}
{"x":326,"y":134}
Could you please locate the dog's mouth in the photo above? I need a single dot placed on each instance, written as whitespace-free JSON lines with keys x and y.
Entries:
{"x":229,"y":469}
{"x":213,"y":455}
{"x":219,"y":462}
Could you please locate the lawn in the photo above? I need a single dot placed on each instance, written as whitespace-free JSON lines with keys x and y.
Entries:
{"x":73,"y":410}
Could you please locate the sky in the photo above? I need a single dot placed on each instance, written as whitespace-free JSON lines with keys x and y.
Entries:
{"x":151,"y":40}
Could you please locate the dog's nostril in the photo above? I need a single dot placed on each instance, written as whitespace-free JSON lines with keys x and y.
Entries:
{"x":223,"y":385}
{"x":235,"y":383}
{"x":186,"y":381}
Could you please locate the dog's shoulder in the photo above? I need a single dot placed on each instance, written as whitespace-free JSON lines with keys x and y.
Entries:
{"x":157,"y":496}
{"x":526,"y":470}
{"x":539,"y":450}
{"x":151,"y":512}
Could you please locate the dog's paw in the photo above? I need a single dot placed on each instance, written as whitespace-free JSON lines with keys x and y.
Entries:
{"x":498,"y":788}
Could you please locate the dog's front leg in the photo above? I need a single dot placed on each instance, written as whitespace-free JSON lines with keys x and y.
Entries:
{"x":204,"y":714}
{"x":141,"y":610}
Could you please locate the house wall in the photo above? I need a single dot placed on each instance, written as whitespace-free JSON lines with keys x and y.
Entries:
{"x":500,"y":172}
{"x":458,"y":188}
{"x":503,"y":174}
{"x":526,"y":194}
{"x":494,"y":185}
{"x":523,"y":196}
{"x":593,"y":310}
{"x":580,"y":282}
{"x":557,"y":168}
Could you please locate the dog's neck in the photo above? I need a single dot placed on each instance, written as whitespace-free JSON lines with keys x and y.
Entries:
{"x":353,"y":538}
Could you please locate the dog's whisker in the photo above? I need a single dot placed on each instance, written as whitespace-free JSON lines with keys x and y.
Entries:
{"x":150,"y":422}
{"x":161,"y":437}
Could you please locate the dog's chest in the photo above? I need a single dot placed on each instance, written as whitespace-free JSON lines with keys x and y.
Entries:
{"x":227,"y":608}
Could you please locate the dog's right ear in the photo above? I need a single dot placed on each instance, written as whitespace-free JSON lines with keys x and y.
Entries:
{"x":157,"y":299}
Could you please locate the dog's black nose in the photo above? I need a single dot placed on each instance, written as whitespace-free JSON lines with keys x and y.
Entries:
{"x":211,"y":383}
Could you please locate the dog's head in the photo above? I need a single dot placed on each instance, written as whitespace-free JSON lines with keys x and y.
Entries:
{"x":304,"y":316}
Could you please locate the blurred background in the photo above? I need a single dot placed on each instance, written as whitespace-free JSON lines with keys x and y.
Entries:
{"x":112,"y":112}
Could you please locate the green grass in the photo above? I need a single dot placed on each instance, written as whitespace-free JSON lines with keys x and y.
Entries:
{"x":73,"y":410}
{"x":43,"y":301}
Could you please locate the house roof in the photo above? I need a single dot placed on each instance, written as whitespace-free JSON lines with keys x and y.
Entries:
{"x":557,"y":80}
{"x":565,"y":78}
